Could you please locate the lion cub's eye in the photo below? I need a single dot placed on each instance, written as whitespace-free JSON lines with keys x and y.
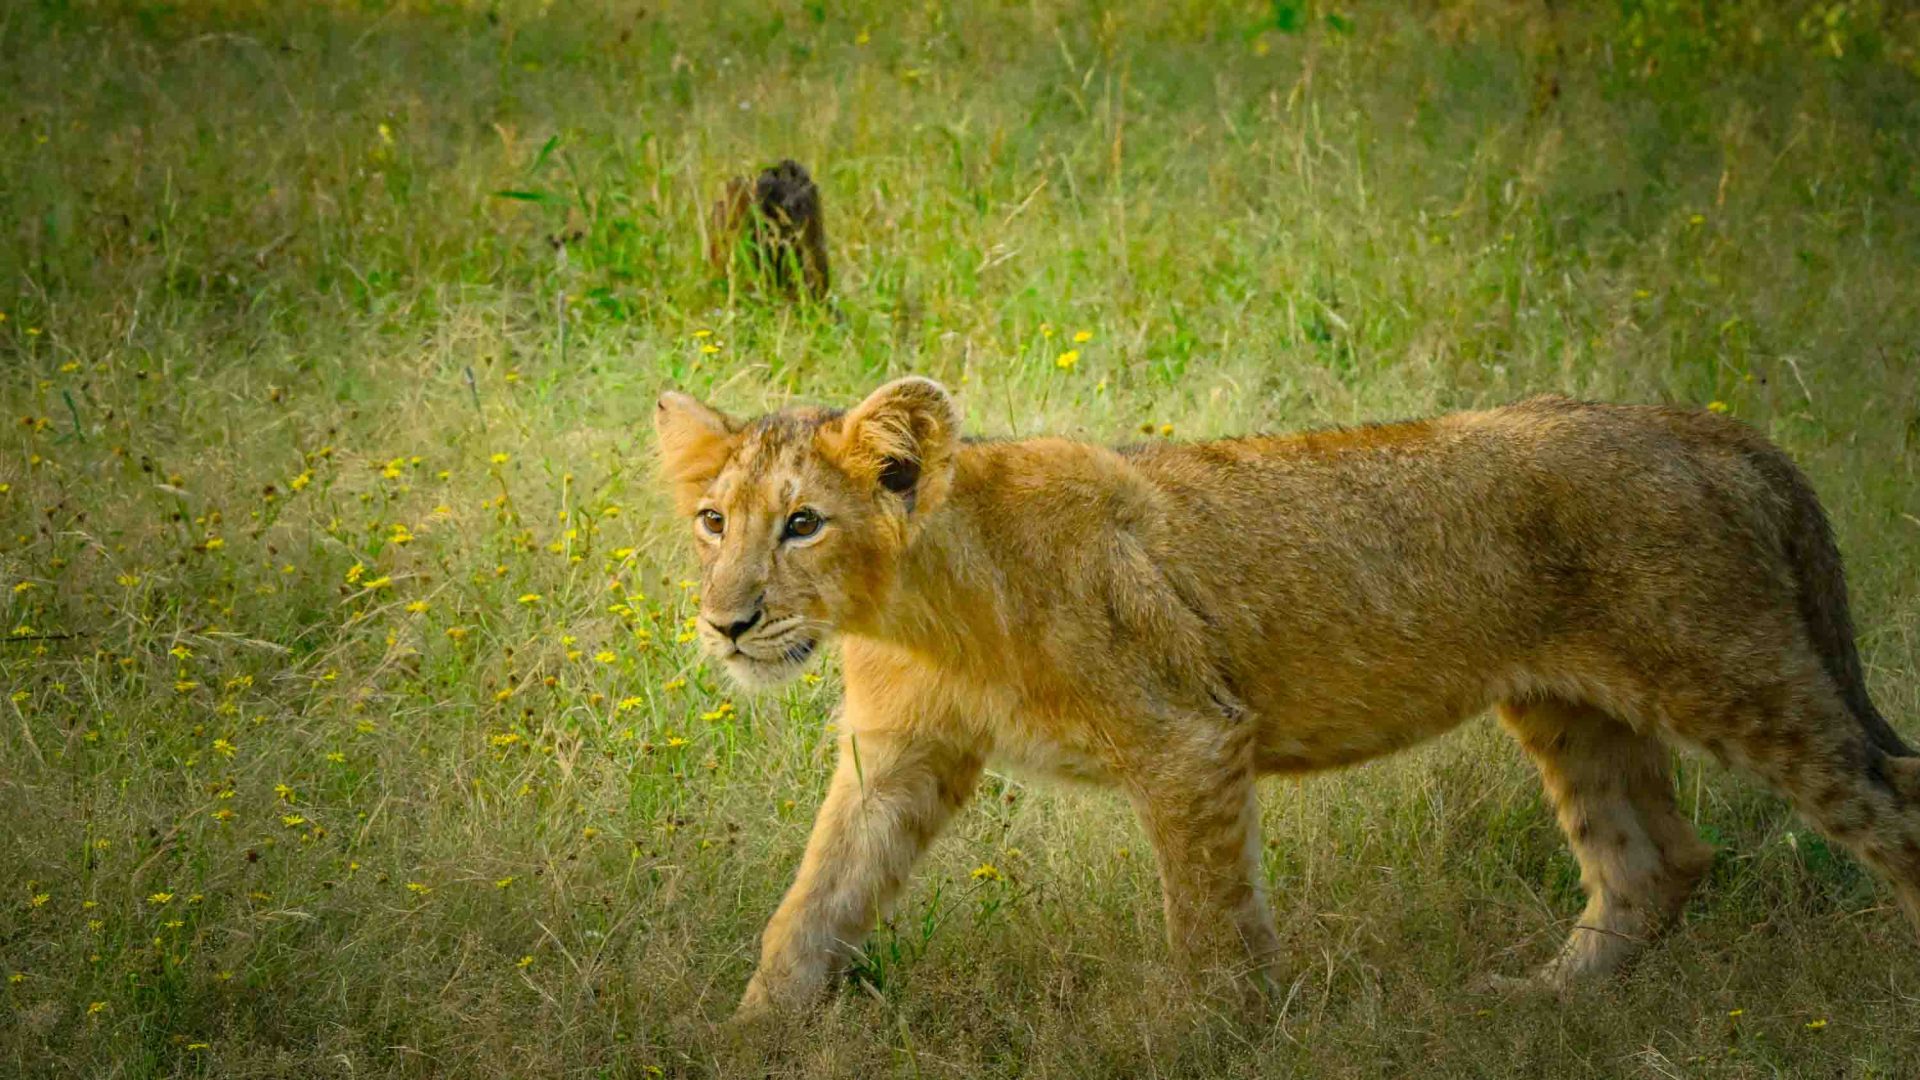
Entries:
{"x":712,"y":522}
{"x":803,"y":523}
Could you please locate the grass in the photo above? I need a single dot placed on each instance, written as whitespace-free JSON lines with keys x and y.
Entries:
{"x":351,"y":729}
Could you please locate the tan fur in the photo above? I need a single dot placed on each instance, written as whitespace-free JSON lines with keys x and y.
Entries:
{"x":1182,"y":618}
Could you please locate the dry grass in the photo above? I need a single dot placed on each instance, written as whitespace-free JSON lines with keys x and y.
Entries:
{"x":288,"y":365}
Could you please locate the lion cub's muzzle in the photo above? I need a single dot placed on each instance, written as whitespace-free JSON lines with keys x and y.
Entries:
{"x":761,"y":649}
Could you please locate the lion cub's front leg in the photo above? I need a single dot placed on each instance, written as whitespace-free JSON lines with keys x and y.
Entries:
{"x":890,"y":795}
{"x":1196,"y":800}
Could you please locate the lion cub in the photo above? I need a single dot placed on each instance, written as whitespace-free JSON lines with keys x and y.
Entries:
{"x":1180,"y":619}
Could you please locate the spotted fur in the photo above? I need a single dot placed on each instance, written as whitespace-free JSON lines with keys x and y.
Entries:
{"x":1180,"y":619}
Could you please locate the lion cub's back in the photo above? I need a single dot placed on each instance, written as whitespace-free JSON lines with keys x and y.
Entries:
{"x":1539,"y":450}
{"x":1489,"y":513}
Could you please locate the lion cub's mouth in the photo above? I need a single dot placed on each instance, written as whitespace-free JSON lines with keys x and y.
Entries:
{"x":756,"y":664}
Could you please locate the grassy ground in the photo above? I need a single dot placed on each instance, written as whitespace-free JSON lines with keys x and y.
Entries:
{"x":351,"y":729}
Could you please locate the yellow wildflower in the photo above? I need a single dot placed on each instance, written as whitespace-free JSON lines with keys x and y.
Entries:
{"x":1066,"y":360}
{"x":985,"y":872}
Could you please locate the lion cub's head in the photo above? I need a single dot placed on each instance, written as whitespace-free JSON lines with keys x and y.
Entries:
{"x":800,"y":517}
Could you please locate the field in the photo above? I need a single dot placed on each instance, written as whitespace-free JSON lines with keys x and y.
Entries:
{"x":352,"y":726}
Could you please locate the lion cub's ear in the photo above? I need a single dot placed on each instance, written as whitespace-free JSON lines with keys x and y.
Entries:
{"x":695,"y":442}
{"x":901,"y":438}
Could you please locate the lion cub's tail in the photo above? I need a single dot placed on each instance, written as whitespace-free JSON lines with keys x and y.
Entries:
{"x":1823,"y":594}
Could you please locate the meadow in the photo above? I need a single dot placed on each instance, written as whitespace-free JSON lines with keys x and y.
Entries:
{"x":352,"y":722}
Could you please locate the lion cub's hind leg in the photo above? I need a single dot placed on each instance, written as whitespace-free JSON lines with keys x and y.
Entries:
{"x":1639,"y":859}
{"x":1800,"y":737}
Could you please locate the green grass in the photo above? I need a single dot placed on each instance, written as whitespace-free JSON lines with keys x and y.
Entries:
{"x":265,"y":301}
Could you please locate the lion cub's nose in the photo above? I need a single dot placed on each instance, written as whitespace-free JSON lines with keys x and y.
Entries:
{"x":735,"y":627}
